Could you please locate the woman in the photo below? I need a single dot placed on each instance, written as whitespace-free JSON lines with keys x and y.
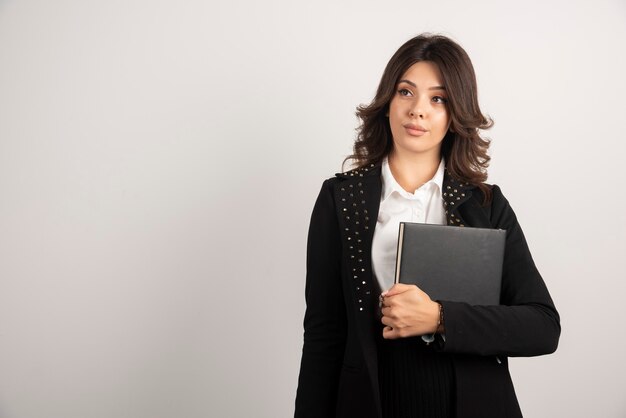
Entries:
{"x":367,"y":343}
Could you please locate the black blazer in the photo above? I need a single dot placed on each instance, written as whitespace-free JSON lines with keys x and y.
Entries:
{"x":339,"y":369}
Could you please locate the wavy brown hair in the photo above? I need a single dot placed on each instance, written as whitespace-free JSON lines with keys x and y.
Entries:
{"x":464,"y":150}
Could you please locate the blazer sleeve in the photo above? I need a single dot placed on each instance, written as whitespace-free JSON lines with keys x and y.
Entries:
{"x":526,"y":323}
{"x":325,"y":324}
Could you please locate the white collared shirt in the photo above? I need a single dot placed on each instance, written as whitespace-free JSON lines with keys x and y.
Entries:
{"x":397,"y":205}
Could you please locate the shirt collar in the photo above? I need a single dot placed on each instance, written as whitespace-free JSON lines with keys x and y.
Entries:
{"x":390,"y":184}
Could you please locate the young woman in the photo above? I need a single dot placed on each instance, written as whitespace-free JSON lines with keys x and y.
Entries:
{"x":369,"y":349}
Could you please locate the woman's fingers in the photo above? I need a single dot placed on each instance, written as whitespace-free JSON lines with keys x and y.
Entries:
{"x":389,"y":312}
{"x":389,"y":333}
{"x":398,"y":288}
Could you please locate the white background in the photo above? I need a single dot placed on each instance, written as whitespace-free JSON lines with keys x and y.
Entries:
{"x":159,"y":162}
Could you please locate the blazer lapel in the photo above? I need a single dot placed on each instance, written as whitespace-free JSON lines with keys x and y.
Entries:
{"x":454,"y":194}
{"x":358,"y":199}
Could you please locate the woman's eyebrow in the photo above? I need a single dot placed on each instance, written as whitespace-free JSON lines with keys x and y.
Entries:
{"x":415,"y":85}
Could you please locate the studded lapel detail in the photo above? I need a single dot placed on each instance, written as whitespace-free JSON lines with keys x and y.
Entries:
{"x":358,"y":199}
{"x":454,"y":194}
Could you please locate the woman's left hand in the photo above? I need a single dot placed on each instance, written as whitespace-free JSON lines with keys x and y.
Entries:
{"x":408,"y":311}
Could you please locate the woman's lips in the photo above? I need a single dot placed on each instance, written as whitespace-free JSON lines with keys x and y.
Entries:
{"x":414,"y":130}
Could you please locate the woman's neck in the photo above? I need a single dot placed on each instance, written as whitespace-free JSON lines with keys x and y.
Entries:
{"x":411,"y":173}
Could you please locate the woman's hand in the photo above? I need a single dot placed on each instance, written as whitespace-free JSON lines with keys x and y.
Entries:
{"x":408,"y":311}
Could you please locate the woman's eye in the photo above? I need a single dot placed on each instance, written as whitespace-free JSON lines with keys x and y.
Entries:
{"x":439,"y":99}
{"x":404,"y":92}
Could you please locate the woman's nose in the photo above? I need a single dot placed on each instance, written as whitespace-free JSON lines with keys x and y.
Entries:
{"x":416,"y":113}
{"x":417,"y":109}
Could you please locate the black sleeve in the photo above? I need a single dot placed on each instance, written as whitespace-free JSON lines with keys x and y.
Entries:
{"x":325,"y":317}
{"x":526,"y":323}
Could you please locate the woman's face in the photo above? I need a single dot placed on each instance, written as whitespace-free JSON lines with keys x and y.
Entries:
{"x":418,"y":112}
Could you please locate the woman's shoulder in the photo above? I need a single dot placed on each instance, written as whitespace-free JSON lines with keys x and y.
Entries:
{"x":345,"y":185}
{"x":497,"y":197}
{"x":494,"y":190}
{"x":498,"y":207}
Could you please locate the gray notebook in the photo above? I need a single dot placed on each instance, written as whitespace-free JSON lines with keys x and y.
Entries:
{"x":452,"y":263}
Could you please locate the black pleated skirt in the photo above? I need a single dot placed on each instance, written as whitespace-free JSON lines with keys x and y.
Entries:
{"x":415,"y":381}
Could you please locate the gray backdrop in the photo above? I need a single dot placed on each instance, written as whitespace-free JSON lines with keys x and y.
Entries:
{"x":159,"y":162}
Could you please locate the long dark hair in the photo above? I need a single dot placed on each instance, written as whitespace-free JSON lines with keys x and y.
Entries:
{"x":464,"y":150}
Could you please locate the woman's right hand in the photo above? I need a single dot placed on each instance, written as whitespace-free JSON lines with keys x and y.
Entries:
{"x":408,"y":311}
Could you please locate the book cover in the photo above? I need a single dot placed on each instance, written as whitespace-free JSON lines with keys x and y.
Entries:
{"x":452,"y":263}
